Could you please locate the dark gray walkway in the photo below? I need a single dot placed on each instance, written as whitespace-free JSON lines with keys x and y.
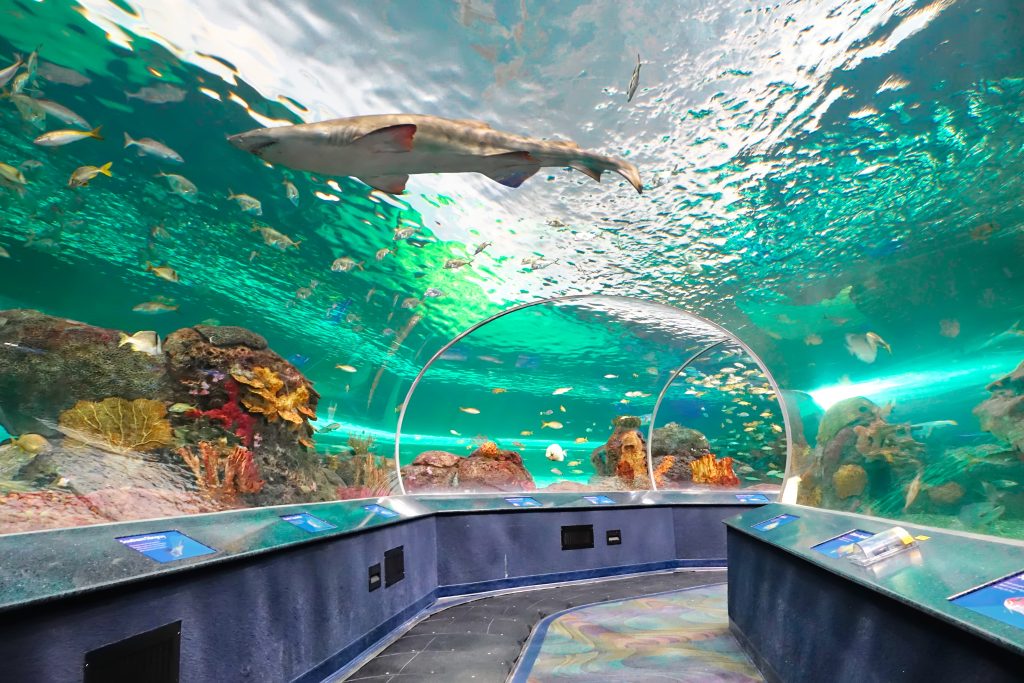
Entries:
{"x":479,"y":641}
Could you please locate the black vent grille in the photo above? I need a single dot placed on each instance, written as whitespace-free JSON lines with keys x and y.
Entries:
{"x":394,"y":565}
{"x":153,"y":656}
{"x":577,"y":537}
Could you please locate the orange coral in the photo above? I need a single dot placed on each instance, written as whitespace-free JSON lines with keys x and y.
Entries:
{"x":664,"y":466}
{"x":118,"y":424}
{"x":488,"y":449}
{"x":632,"y":458}
{"x":710,"y":470}
{"x":223,"y":476}
{"x":849,"y":480}
{"x":265,"y":397}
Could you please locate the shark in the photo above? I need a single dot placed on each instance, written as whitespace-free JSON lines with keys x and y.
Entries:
{"x":384,"y":150}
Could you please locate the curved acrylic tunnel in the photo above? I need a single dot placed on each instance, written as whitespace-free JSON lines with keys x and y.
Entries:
{"x":571,"y":393}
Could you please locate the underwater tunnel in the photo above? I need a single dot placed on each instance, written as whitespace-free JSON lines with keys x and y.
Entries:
{"x":511,"y":341}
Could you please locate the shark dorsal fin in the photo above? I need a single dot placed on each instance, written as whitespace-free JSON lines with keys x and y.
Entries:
{"x":388,"y":140}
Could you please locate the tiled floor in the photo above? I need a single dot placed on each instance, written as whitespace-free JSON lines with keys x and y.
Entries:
{"x":480,"y":641}
{"x":677,"y":637}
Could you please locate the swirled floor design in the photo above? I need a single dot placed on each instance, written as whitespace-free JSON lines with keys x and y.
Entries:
{"x":682,"y":636}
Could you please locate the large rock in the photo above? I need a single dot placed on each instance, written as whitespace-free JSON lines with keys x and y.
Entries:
{"x":48,"y":364}
{"x":1002,"y":414}
{"x":624,"y":454}
{"x":486,"y":469}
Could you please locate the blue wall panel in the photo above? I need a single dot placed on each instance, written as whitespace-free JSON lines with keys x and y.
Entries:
{"x":478,"y":548}
{"x":266,"y":619}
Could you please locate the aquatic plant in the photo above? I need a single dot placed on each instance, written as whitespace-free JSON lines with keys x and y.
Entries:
{"x":361,"y":445}
{"x":711,"y":470}
{"x":265,"y":396}
{"x":889,"y":442}
{"x":849,"y":480}
{"x":223,"y":475}
{"x":117,"y":424}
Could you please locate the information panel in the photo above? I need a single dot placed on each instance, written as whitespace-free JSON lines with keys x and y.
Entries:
{"x":1002,"y":600}
{"x":308,"y":522}
{"x":381,"y":510}
{"x":837,"y":547}
{"x":523,"y":502}
{"x":166,"y":546}
{"x":774,"y":522}
{"x":599,"y":500}
{"x":752,"y":498}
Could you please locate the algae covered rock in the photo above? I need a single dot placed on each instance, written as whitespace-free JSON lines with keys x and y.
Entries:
{"x":674,"y":439}
{"x":486,"y":469}
{"x":849,"y":480}
{"x":48,"y":364}
{"x":431,"y":471}
{"x":845,"y":413}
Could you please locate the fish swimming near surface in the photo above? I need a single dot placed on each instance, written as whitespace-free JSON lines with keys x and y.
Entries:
{"x":246,"y":203}
{"x":59,"y":111}
{"x":561,"y":390}
{"x":153,"y":148}
{"x":634,"y":80}
{"x":275,"y":238}
{"x":7,"y":73}
{"x":291,"y":191}
{"x":470,"y":411}
{"x":555,"y":453}
{"x":146,"y":341}
{"x":163,"y":272}
{"x":551,"y":425}
{"x":154,"y":307}
{"x":56,"y":138}
{"x":83,"y":174}
{"x":180,"y":185}
{"x":865,"y":346}
{"x":12,"y":178}
{"x":384,"y":150}
{"x":1014,"y":334}
{"x":926,"y":428}
{"x":163,"y":93}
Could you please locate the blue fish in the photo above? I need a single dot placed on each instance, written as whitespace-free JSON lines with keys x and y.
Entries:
{"x":298,"y":359}
{"x":336,"y":313}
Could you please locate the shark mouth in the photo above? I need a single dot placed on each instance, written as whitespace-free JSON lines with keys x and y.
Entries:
{"x":252,"y":146}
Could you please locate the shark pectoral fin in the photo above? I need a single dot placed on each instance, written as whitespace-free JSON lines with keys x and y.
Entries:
{"x":388,"y":140}
{"x":511,"y":169}
{"x":593,"y":173}
{"x":392,"y":184}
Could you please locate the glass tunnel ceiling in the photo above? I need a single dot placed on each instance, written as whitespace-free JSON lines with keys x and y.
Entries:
{"x":587,"y":367}
{"x":837,"y":183}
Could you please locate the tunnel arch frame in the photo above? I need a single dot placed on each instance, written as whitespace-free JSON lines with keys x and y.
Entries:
{"x":729,"y":336}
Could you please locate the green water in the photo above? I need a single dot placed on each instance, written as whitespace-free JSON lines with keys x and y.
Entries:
{"x":810,"y":172}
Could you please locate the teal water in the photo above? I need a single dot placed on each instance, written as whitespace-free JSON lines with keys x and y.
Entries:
{"x":811,"y":171}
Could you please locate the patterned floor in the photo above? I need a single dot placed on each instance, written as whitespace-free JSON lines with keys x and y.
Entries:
{"x":682,"y":637}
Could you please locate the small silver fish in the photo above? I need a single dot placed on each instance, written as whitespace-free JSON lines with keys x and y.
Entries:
{"x":291,"y":192}
{"x":456,"y":263}
{"x":59,"y":111}
{"x":634,"y":80}
{"x":7,"y":73}
{"x":163,"y":93}
{"x":246,"y":203}
{"x":180,"y":185}
{"x":152,"y":148}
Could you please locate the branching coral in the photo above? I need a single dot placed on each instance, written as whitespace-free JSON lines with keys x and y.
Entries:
{"x":117,"y":424}
{"x":893,"y":443}
{"x":664,"y":466}
{"x":230,"y":415}
{"x":223,"y":475}
{"x":268,"y":396}
{"x":710,"y":470}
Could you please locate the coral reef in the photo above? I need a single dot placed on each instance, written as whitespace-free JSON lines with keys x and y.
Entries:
{"x":48,"y":364}
{"x":1002,"y":414}
{"x":230,"y":335}
{"x":625,"y":444}
{"x":711,"y":470}
{"x":366,"y":474}
{"x":849,"y":480}
{"x":118,"y":425}
{"x":265,"y":396}
{"x":664,"y":466}
{"x":221,"y":473}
